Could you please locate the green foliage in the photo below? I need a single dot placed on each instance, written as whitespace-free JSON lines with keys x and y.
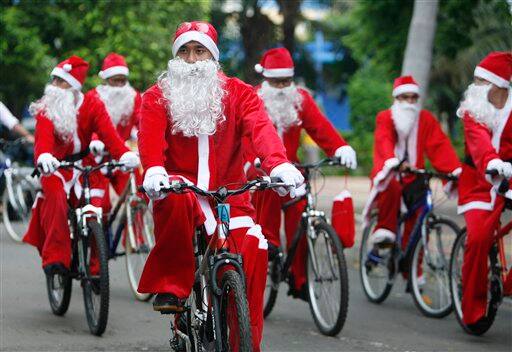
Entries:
{"x":47,"y":31}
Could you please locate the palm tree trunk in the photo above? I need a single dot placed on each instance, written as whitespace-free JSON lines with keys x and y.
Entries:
{"x":420,"y":42}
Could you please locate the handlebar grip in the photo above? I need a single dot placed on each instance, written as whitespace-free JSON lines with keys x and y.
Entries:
{"x":492,"y":172}
{"x":503,"y":187}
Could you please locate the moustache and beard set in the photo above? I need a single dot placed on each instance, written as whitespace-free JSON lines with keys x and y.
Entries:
{"x":59,"y":106}
{"x":119,"y":102}
{"x":404,"y":116}
{"x":282,"y":104}
{"x":476,"y":103}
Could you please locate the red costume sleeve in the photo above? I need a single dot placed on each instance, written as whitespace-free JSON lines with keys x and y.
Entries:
{"x":318,"y":126}
{"x":152,"y":127}
{"x":103,"y":127}
{"x":136,"y":110}
{"x":384,"y":140}
{"x":44,"y":136}
{"x":258,"y":128}
{"x":478,"y":143}
{"x":438,"y":148}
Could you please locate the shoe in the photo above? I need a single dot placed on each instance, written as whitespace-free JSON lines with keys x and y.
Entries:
{"x":479,"y":327}
{"x":301,"y":293}
{"x":381,"y":236}
{"x":167,"y":303}
{"x":273,"y":251}
{"x":55,"y":269}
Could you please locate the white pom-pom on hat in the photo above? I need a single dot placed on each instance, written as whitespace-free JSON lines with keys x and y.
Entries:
{"x":67,"y":67}
{"x":258,"y":68}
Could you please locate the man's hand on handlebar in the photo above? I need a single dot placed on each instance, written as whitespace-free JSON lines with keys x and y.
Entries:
{"x":47,"y":163}
{"x":290,"y":176}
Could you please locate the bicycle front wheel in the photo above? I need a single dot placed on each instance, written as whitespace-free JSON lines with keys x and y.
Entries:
{"x":59,"y":292}
{"x":234,"y":317}
{"x":327,"y":279}
{"x":95,"y":283}
{"x":429,"y":267}
{"x":138,"y":243}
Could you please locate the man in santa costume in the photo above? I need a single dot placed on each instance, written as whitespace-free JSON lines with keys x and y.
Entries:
{"x":66,"y":119}
{"x":292,"y":110}
{"x":191,"y":127}
{"x":404,"y":134}
{"x":486,"y":112}
{"x":122,"y":102}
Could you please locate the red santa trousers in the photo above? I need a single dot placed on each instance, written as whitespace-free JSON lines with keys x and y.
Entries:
{"x":268,"y":206}
{"x":481,"y":225}
{"x":48,"y":229}
{"x":170,"y":265}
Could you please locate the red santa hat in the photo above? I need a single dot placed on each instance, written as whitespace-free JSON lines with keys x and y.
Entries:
{"x":276,"y":62}
{"x":405,"y":84}
{"x":113,"y":65}
{"x":496,"y":68}
{"x":201,"y":32}
{"x":73,"y":70}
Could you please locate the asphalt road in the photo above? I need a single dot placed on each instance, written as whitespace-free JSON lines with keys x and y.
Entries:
{"x":27,"y":323}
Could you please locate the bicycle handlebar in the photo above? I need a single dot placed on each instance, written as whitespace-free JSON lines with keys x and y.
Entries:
{"x":429,"y":174}
{"x":333,"y":161}
{"x":504,"y":186}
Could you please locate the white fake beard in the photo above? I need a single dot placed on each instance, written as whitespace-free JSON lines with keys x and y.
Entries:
{"x":477,"y":104}
{"x":59,"y":106}
{"x":194,"y":94}
{"x":282,"y":104}
{"x":404,"y":116}
{"x":119,"y":102}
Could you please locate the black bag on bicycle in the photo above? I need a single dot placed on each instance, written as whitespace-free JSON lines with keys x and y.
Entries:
{"x":414,"y":191}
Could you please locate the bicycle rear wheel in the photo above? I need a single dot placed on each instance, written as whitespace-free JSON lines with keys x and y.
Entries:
{"x":59,"y":292}
{"x":234,"y":314}
{"x":95,"y":284}
{"x":429,"y":268}
{"x":272,"y":286}
{"x":327,"y":279}
{"x":16,"y":211}
{"x":376,"y":267}
{"x":138,"y":243}
{"x":456,"y":261}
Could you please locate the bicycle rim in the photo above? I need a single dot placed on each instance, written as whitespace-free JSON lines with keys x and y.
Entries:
{"x":15,"y":219}
{"x":327,"y":280}
{"x":138,"y":243}
{"x":429,"y":270}
{"x":376,"y":267}
{"x":272,"y":285}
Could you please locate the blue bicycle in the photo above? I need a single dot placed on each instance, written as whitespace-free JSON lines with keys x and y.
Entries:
{"x":424,"y":260}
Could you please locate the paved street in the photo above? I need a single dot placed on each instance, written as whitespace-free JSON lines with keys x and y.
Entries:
{"x":28,"y":325}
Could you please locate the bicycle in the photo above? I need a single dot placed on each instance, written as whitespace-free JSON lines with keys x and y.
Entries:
{"x":218,"y":302}
{"x":425,"y":259}
{"x":87,"y":237}
{"x":19,"y":194}
{"x":135,"y":228}
{"x":498,"y":269}
{"x":326,"y":273}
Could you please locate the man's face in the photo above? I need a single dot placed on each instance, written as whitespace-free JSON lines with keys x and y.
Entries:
{"x":411,"y":98}
{"x":117,"y":81}
{"x":59,"y":82}
{"x":280,"y":82}
{"x":194,"y":51}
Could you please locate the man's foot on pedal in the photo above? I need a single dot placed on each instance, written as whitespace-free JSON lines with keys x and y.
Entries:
{"x":479,"y":326}
{"x":302,"y":293}
{"x":55,"y":269}
{"x":168,"y":303}
{"x":382,"y":237}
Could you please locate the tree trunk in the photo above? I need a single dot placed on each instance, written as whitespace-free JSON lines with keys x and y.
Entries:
{"x":290,"y":10}
{"x":420,"y":41}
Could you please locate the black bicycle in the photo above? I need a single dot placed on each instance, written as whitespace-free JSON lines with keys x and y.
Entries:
{"x":216,"y":316}
{"x":87,"y":238}
{"x":327,"y":278}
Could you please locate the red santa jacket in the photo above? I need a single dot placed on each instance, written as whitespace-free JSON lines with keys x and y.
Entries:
{"x":92,"y":118}
{"x":124,"y":129}
{"x":216,"y":160}
{"x":314,"y":122}
{"x":481,"y":146}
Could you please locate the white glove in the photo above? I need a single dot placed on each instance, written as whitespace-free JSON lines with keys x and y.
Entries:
{"x":391,"y":163}
{"x":504,"y":169}
{"x":290,"y":176}
{"x":48,"y":163}
{"x":97,"y":147}
{"x":347,"y":156}
{"x":130,"y":160}
{"x":156,"y":178}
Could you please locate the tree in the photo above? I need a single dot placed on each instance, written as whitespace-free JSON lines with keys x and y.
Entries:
{"x":290,"y":9}
{"x":420,"y":40}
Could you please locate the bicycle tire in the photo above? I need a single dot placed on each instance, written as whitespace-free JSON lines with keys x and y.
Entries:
{"x":365,"y":266}
{"x":59,"y":298}
{"x":136,"y":231}
{"x":97,"y":325}
{"x":419,"y":296}
{"x":9,"y":211}
{"x":233,"y":296}
{"x":336,"y":249}
{"x":456,"y":288}
{"x":273,"y":281}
